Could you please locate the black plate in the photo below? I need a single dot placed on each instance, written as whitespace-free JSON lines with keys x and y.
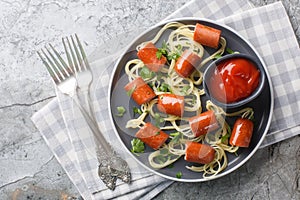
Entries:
{"x":262,"y":105}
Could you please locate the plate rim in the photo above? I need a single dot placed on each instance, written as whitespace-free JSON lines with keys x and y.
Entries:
{"x":268,"y":78}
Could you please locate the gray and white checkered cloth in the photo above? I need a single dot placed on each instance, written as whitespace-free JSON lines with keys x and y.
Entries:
{"x":64,"y":130}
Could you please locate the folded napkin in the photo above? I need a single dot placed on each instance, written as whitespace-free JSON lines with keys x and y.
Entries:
{"x":64,"y":130}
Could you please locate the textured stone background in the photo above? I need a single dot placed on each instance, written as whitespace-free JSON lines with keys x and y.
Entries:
{"x":28,"y":170}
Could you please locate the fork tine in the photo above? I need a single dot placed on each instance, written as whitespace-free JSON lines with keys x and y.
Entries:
{"x":77,"y":53}
{"x":76,"y":67}
{"x":54,"y":73}
{"x":87,"y":66}
{"x":63,"y":66}
{"x":57,"y":65}
{"x":68,"y":56}
{"x":50,"y":71}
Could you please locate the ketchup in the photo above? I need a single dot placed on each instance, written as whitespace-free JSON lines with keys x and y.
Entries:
{"x":233,"y":80}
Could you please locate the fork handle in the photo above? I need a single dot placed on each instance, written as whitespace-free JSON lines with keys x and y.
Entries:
{"x":100,"y":140}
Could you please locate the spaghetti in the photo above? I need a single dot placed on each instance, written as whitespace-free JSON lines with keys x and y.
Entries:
{"x":167,"y":81}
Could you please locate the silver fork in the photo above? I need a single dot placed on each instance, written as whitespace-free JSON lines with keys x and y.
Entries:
{"x":69,"y":79}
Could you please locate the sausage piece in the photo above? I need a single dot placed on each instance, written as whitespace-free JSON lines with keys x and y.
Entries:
{"x":171,"y":104}
{"x":203,"y":123}
{"x":147,"y":54}
{"x":207,"y":36}
{"x":152,"y":136}
{"x":141,"y":91}
{"x":187,"y":63}
{"x":199,"y":153}
{"x":241,"y":133}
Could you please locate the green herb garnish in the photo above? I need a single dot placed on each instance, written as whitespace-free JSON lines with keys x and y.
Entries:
{"x":185,"y":89}
{"x":176,"y":136}
{"x":174,"y":56}
{"x":170,"y":165}
{"x":158,"y":119}
{"x":230,"y":51}
{"x":161,"y":159}
{"x":163,"y":151}
{"x":146,"y":73}
{"x":164,"y":88}
{"x":224,"y":138}
{"x":158,"y":54}
{"x":162,"y":51}
{"x":178,"y":175}
{"x":121,"y":110}
{"x":137,"y":111}
{"x":217,"y":56}
{"x":137,"y":146}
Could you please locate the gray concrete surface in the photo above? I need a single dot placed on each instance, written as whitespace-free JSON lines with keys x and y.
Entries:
{"x":28,"y":170}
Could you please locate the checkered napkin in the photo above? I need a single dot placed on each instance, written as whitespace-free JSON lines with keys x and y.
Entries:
{"x":66,"y":133}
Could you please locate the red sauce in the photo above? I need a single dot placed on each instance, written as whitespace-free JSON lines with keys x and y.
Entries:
{"x":233,"y":80}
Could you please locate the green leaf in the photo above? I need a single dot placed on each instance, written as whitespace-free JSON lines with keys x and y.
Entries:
{"x":158,"y":54}
{"x":217,"y":56}
{"x":163,"y":151}
{"x":162,"y":51}
{"x":137,"y":146}
{"x":121,"y":110}
{"x":228,"y":50}
{"x":164,"y":45}
{"x":146,"y":73}
{"x":164,"y":88}
{"x":224,"y":138}
{"x":158,"y":119}
{"x":161,"y":159}
{"x":178,"y":175}
{"x":170,"y":165}
{"x":137,"y":111}
{"x":176,"y":136}
{"x":185,"y":89}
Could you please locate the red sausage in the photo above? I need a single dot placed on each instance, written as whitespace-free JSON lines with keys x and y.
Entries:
{"x":142,"y":92}
{"x":241,"y":133}
{"x":199,"y":153}
{"x":207,"y":36}
{"x":147,"y":54}
{"x":203,"y":123}
{"x":152,"y":136}
{"x":171,"y":104}
{"x":187,"y":63}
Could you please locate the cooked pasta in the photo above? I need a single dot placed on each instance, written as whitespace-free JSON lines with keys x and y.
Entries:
{"x":168,"y":81}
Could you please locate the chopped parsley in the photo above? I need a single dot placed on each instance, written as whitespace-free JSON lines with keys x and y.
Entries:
{"x":162,"y":51}
{"x":164,"y":88}
{"x":185,"y":89}
{"x":176,"y":136}
{"x":173,"y":56}
{"x":137,"y":146}
{"x":230,"y":51}
{"x":178,"y":175}
{"x":163,"y":151}
{"x":137,"y":111}
{"x":170,"y":166}
{"x":158,"y":119}
{"x":146,"y":73}
{"x":121,"y":110}
{"x":161,"y":159}
{"x":176,"y":54}
{"x":217,"y":56}
{"x":224,"y":138}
